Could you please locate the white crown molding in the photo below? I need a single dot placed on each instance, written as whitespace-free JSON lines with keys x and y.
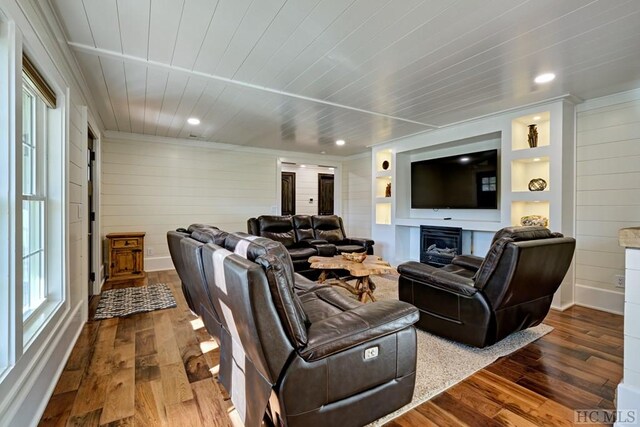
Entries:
{"x":566,"y":97}
{"x":196,"y":143}
{"x":608,"y":100}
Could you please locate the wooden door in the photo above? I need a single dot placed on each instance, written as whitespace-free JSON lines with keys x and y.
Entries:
{"x":288,"y":189}
{"x":325,"y":194}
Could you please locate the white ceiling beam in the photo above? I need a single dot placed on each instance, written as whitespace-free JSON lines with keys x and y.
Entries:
{"x":198,"y":74}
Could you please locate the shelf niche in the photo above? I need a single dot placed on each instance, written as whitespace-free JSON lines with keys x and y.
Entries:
{"x":522,"y":208}
{"x":381,"y":186}
{"x":381,"y":157}
{"x":383,"y":213}
{"x":524,"y":170}
{"x":520,"y":130}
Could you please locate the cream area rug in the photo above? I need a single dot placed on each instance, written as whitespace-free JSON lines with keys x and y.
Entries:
{"x":443,"y":363}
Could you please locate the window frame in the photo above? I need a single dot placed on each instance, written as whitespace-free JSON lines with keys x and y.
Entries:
{"x":39,"y":185}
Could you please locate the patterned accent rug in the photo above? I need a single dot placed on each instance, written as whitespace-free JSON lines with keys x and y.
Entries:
{"x":140,"y":299}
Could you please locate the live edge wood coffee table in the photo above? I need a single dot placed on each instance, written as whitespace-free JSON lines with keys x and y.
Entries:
{"x":360,"y":271}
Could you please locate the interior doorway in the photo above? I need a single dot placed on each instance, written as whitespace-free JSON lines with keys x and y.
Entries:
{"x":288,"y":197}
{"x":325,"y":194}
{"x":91,"y":214}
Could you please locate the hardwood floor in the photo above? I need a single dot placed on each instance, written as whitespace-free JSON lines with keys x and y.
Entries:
{"x":159,"y":368}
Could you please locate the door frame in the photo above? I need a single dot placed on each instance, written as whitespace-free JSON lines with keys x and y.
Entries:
{"x":98,"y":264}
{"x":311,"y":160}
{"x":320,"y":177}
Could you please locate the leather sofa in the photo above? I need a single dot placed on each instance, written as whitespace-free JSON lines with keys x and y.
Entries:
{"x":296,"y":234}
{"x":479,"y":301}
{"x":295,"y":350}
{"x":305,"y":236}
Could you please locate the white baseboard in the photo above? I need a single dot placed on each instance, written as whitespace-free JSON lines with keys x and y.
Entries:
{"x":562,"y":307}
{"x":31,"y":396}
{"x":158,"y":263}
{"x":599,"y":299}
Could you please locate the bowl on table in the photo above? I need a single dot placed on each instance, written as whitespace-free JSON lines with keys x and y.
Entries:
{"x":355,"y":256}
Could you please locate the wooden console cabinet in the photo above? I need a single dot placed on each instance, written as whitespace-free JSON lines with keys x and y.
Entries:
{"x":125,"y":256}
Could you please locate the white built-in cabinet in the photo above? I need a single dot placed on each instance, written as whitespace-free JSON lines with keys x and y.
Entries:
{"x":395,"y":225}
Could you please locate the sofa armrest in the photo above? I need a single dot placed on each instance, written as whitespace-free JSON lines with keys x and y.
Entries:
{"x":437,"y":278}
{"x":366,"y":243}
{"x":470,"y":262}
{"x":357,"y":326}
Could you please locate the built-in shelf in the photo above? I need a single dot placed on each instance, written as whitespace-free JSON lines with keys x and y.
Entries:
{"x":526,"y":169}
{"x":382,"y":184}
{"x":383,"y":213}
{"x":525,"y":208}
{"x":520,"y":130}
{"x":381,"y":157}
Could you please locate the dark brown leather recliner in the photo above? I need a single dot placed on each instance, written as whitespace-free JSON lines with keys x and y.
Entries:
{"x":480,"y":301}
{"x":331,"y":229}
{"x":307,"y":357}
{"x":296,"y":234}
{"x":185,"y":247}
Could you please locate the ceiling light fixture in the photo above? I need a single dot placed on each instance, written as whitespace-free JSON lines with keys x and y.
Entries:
{"x":464,"y":159}
{"x":544,"y":78}
{"x":537,"y":118}
{"x":323,"y":152}
{"x":193,"y":121}
{"x":340,"y":142}
{"x":537,"y":159}
{"x":303,"y":166}
{"x":331,"y":169}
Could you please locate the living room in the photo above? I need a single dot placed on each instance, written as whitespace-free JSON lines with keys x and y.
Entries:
{"x":274,"y":86}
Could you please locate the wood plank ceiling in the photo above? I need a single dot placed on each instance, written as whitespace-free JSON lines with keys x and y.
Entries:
{"x":300,"y":74}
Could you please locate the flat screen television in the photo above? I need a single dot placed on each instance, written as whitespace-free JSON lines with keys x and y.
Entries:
{"x":463,"y":181}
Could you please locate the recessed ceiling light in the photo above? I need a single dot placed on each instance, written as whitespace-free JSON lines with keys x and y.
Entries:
{"x":331,"y":169}
{"x":303,"y":166}
{"x":193,"y":121}
{"x":537,"y":159}
{"x":544,"y":78}
{"x":464,"y":159}
{"x":323,"y":152}
{"x":340,"y":142}
{"x":537,"y":118}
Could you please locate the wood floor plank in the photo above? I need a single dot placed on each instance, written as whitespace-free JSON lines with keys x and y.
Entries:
{"x":156,"y":369}
{"x":149,"y":404}
{"x":120,"y":400}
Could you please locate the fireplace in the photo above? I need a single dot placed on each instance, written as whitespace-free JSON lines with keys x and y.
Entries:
{"x":438,"y":245}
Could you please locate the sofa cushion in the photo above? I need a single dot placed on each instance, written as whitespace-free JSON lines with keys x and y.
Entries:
{"x":518,"y":234}
{"x":288,"y":305}
{"x":209,"y":235}
{"x":278,"y":228}
{"x":327,"y":227}
{"x":303,"y":228}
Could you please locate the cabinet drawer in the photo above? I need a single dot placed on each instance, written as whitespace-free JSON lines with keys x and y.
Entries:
{"x":125,"y":243}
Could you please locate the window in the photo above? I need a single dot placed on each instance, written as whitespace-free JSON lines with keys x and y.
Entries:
{"x":34,"y":200}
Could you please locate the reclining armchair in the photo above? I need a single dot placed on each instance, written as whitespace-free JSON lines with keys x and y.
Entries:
{"x":331,"y":229}
{"x":480,"y":301}
{"x":305,"y":357}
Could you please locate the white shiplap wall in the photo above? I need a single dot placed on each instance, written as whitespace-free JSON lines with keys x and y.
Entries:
{"x":26,"y":387}
{"x":306,"y":187}
{"x":608,"y":194}
{"x":154,"y":187}
{"x":356,"y":191}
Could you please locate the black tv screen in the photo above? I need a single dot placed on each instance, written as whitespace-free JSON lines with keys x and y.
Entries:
{"x":464,"y":181}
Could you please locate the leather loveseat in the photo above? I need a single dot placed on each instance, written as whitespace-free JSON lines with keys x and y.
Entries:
{"x":479,"y":301}
{"x":300,"y":352}
{"x":305,"y":236}
{"x":296,"y":234}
